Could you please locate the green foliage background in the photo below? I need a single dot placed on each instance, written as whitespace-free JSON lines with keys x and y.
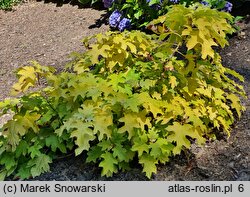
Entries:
{"x":8,"y":4}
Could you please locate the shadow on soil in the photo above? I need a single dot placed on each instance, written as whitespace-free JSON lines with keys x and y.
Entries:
{"x":98,"y":5}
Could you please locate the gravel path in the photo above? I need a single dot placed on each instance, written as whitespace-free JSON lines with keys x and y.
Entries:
{"x":42,"y":32}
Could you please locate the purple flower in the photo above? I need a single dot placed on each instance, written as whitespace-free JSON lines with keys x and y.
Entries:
{"x":107,"y":3}
{"x":124,"y":24}
{"x":156,"y":6}
{"x":175,"y":1}
{"x":150,"y":0}
{"x":205,"y":3}
{"x":228,"y":7}
{"x":115,"y":18}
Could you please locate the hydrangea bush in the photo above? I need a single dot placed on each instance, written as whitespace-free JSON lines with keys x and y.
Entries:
{"x":108,"y":3}
{"x":140,"y":12}
{"x":218,"y":4}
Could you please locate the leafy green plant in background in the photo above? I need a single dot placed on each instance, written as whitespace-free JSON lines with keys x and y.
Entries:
{"x":219,"y":4}
{"x":8,"y":4}
{"x":91,"y":2}
{"x":139,"y":13}
{"x":129,"y":96}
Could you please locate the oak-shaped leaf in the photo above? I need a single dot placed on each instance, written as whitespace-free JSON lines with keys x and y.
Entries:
{"x":108,"y":164}
{"x":39,"y":164}
{"x":149,"y":164}
{"x":179,"y":135}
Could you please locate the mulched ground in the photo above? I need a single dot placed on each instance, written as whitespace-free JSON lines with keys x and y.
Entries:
{"x":48,"y":33}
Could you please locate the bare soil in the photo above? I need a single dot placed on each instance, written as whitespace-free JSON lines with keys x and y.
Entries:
{"x":48,"y":33}
{"x":45,"y":32}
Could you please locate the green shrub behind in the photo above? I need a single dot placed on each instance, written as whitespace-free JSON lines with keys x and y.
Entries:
{"x":8,"y":4}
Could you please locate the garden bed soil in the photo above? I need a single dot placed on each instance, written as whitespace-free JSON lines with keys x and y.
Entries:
{"x":48,"y":33}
